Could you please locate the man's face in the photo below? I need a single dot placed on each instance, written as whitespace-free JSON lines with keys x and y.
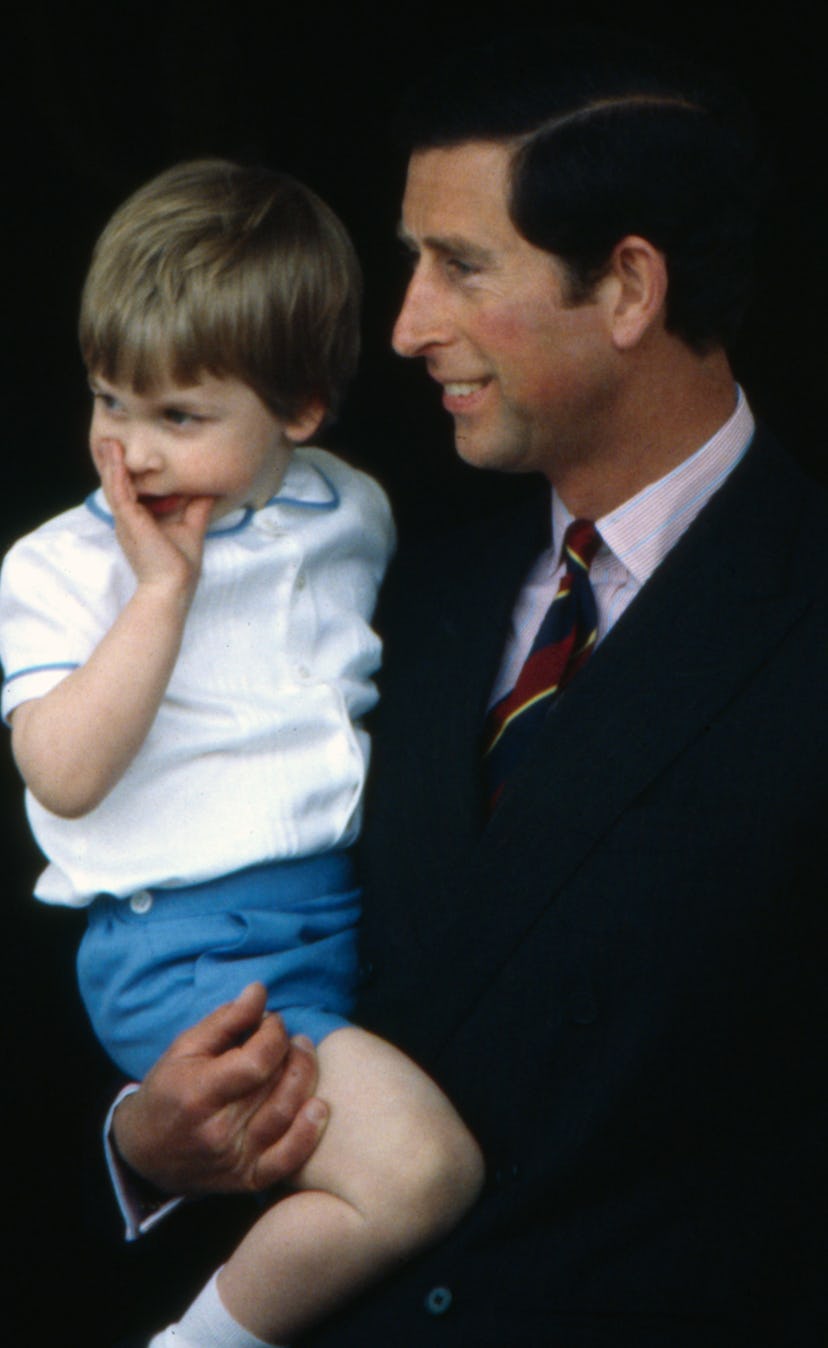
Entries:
{"x":527,"y":377}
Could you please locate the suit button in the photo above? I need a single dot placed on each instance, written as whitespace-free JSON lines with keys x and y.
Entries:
{"x":141,"y":902}
{"x":582,"y":1010}
{"x":506,"y":1174}
{"x":438,"y":1301}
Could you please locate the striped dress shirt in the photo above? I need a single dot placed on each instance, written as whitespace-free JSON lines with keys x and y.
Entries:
{"x":636,"y":538}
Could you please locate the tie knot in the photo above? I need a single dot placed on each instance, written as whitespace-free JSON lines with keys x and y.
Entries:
{"x":581,"y":542}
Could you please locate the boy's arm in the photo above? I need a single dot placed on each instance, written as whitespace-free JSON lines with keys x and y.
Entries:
{"x":73,"y":744}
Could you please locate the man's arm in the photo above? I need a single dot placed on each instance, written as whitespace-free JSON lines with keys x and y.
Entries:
{"x":229,"y":1108}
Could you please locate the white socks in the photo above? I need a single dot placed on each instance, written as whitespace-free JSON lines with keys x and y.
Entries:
{"x":207,"y":1324}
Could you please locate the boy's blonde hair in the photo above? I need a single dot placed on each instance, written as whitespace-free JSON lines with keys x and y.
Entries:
{"x":239,"y":272}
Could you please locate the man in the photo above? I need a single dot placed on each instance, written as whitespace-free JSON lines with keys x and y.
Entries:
{"x":611,"y":956}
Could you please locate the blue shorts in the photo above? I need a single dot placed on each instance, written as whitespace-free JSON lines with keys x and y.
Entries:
{"x":153,"y":965}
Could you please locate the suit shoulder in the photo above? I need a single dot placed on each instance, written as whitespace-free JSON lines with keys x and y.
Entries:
{"x":437,"y":557}
{"x":804,"y":500}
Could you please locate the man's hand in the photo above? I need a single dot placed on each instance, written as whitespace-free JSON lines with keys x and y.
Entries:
{"x":218,"y":1116}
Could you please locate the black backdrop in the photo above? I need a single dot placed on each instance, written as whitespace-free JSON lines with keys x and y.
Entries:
{"x":104,"y":98}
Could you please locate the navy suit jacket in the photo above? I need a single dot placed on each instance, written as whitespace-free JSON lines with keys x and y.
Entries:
{"x":621,"y":979}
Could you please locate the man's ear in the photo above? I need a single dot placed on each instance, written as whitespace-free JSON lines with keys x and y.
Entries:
{"x":639,"y":273}
{"x":307,"y":421}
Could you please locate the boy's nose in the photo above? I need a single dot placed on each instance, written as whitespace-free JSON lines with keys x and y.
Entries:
{"x":140,"y":450}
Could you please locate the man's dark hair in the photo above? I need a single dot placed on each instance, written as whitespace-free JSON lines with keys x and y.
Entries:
{"x":613,"y":137}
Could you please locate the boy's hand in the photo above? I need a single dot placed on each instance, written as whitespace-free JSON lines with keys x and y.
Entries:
{"x":218,"y":1116}
{"x":171,"y":553}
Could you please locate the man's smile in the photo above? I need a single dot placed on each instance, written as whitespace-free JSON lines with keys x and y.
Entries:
{"x":463,"y":395}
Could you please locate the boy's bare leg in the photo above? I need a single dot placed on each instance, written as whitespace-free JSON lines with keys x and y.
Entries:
{"x":394,"y":1171}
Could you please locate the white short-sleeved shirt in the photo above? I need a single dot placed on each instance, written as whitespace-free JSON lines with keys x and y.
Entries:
{"x":256,"y":753}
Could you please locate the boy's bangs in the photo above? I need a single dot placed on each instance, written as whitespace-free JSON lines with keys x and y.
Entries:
{"x":152,"y":350}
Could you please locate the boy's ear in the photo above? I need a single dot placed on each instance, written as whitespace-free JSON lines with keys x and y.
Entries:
{"x":308,"y":421}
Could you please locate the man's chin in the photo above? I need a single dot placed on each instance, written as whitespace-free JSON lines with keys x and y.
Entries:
{"x":477,"y":453}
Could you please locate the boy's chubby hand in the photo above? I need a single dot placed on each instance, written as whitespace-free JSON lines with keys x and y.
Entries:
{"x":216,"y":1115}
{"x":157,"y":554}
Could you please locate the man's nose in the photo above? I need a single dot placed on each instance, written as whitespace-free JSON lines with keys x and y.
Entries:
{"x":421,"y":322}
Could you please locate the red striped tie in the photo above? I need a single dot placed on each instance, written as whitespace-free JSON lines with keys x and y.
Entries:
{"x":563,"y":643}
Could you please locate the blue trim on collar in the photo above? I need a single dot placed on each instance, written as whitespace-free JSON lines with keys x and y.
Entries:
{"x":100,"y":513}
{"x":247,"y":514}
{"x":334,"y":500}
{"x":331,"y":504}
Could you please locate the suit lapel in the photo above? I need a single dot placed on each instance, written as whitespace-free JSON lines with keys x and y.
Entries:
{"x":716,"y":609}
{"x":467,"y":640}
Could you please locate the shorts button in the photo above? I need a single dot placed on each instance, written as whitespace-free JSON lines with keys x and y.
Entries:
{"x":141,"y":902}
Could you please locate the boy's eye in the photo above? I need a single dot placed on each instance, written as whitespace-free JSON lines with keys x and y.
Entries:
{"x":107,"y":400}
{"x":178,"y":417}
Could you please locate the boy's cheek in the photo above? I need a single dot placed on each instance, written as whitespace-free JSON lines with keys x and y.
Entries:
{"x":103,"y":450}
{"x":96,"y":455}
{"x":97,"y":437}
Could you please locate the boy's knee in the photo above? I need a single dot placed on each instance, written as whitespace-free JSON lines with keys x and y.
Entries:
{"x":438,"y":1180}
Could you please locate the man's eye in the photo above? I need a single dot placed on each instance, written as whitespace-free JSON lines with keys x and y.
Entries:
{"x":457,"y":267}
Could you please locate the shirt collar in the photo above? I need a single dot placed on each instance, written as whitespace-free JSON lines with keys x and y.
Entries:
{"x":642,"y":530}
{"x":303,"y":485}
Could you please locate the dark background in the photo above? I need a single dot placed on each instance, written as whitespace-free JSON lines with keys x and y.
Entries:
{"x":103,"y":97}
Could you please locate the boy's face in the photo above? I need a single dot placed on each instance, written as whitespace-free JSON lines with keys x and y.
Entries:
{"x":212,"y":438}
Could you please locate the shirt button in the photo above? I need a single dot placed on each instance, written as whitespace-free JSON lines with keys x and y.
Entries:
{"x":506,"y":1174}
{"x":301,"y":582}
{"x":365,"y":973}
{"x":141,"y":902}
{"x":438,"y":1301}
{"x":303,"y":671}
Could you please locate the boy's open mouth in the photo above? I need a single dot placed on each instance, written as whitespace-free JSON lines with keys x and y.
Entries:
{"x":162,"y":505}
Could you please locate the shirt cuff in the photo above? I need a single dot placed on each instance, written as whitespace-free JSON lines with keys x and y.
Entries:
{"x":142,"y":1206}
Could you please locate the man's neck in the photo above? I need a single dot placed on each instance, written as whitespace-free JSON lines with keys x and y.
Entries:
{"x":669,"y":410}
